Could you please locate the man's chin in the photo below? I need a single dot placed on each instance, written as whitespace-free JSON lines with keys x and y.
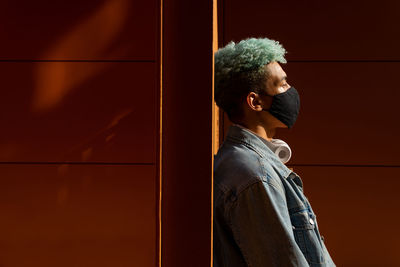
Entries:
{"x":282,"y":125}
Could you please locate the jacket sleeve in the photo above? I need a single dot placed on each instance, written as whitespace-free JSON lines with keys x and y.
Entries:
{"x":262,"y":229}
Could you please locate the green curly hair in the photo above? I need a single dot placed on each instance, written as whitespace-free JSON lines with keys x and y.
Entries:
{"x":240,"y":69}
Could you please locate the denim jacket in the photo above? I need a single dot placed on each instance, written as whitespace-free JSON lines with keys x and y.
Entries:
{"x":261,"y":216}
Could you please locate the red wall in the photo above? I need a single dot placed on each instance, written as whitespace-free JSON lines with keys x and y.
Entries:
{"x":343,"y":60}
{"x":79,"y":114}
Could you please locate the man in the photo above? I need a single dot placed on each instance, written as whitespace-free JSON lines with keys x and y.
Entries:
{"x":261,"y":216}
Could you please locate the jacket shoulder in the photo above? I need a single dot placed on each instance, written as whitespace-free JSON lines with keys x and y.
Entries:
{"x":236,"y":166}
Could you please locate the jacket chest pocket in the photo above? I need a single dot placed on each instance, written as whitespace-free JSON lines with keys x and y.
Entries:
{"x":306,"y":236}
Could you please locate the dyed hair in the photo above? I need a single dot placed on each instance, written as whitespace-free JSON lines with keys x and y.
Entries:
{"x":240,"y":69}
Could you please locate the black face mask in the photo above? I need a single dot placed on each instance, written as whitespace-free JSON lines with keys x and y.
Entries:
{"x":285,"y":106}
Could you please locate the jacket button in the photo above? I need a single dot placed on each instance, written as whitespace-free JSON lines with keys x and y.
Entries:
{"x":311,"y":221}
{"x":293,"y":227}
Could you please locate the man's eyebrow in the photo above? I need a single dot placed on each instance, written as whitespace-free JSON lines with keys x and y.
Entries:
{"x":284,"y":78}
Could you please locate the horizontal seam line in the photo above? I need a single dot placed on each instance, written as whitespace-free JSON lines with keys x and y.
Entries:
{"x":350,"y":61}
{"x":73,"y":60}
{"x":345,"y":165}
{"x":73,"y":163}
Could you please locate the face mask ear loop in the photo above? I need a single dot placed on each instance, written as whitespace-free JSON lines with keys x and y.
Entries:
{"x":265,"y":93}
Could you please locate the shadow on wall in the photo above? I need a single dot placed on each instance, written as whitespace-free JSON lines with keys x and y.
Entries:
{"x":79,"y":102}
{"x":54,"y":81}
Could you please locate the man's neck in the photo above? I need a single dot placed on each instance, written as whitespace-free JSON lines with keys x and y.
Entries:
{"x":261,"y":131}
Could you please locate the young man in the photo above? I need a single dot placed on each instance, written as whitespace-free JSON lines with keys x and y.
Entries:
{"x":261,"y":216}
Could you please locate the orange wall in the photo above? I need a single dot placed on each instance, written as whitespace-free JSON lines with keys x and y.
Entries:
{"x":343,"y":60}
{"x":79,"y":114}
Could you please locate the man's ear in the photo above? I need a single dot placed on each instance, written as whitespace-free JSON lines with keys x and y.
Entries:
{"x":254,"y":102}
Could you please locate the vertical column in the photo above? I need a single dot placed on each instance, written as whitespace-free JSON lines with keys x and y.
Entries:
{"x":187,"y":137}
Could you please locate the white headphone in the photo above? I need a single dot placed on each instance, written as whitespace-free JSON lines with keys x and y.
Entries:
{"x":281,"y":149}
{"x":278,"y":146}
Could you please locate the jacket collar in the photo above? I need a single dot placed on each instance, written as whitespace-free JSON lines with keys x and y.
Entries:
{"x":239,"y":134}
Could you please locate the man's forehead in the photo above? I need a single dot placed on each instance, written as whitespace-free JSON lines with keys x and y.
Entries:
{"x":275,"y":71}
